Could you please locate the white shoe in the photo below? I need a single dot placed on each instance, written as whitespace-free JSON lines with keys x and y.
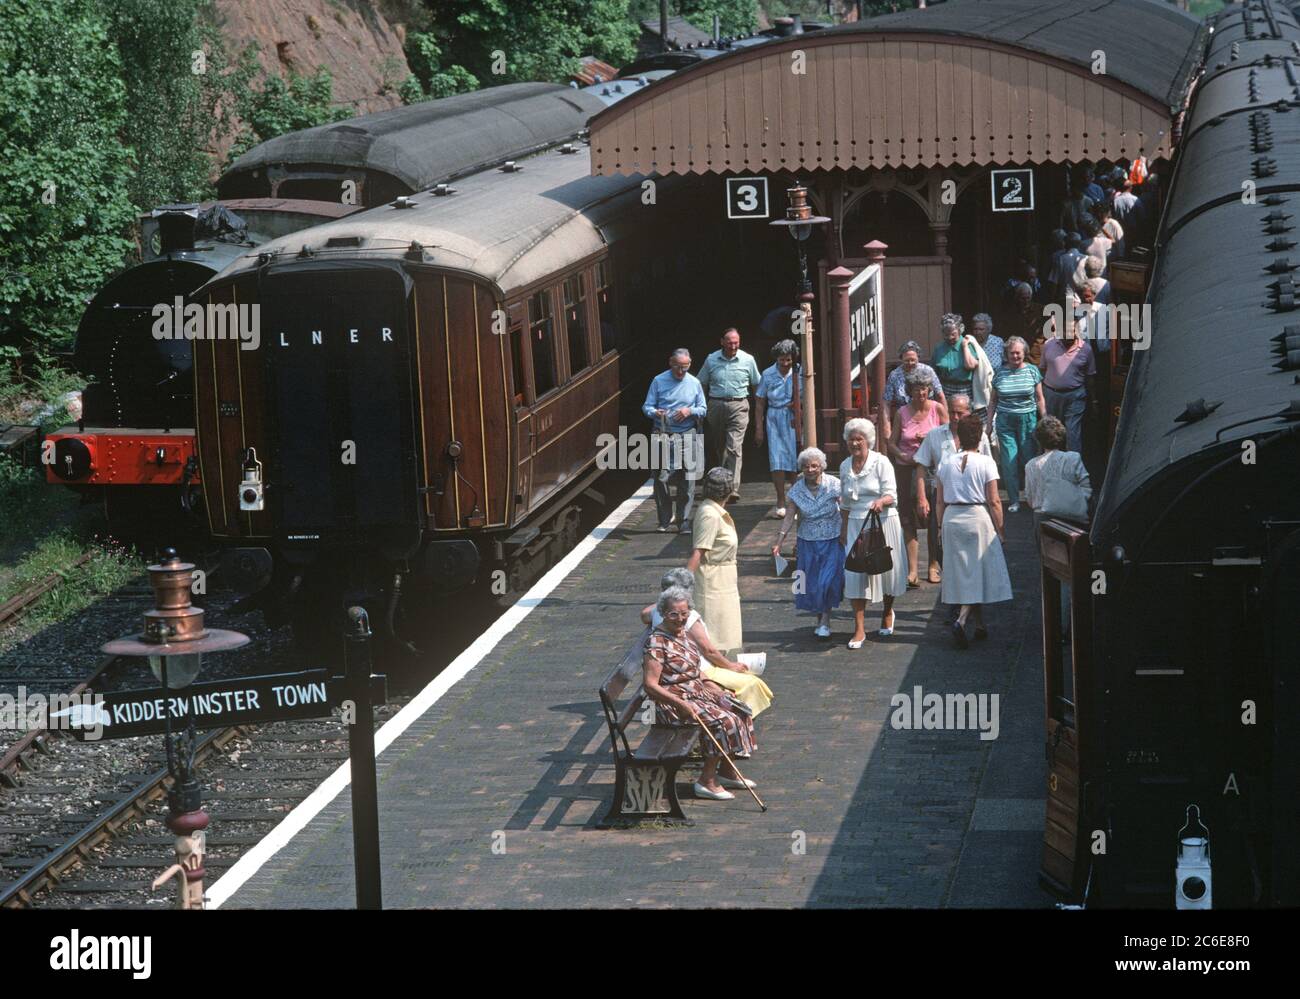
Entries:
{"x":1013,"y":508}
{"x":780,"y":512}
{"x":822,"y":631}
{"x":662,"y":529}
{"x":856,"y":645}
{"x":703,"y":792}
{"x":739,"y":785}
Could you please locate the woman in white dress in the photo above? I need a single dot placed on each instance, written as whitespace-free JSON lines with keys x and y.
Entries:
{"x":867,"y":485}
{"x":967,"y":504}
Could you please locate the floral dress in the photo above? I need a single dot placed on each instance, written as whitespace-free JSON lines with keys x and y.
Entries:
{"x":728,"y":719}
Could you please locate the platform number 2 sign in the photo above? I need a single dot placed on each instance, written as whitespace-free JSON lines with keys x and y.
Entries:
{"x":1013,"y":190}
{"x":746,"y":197}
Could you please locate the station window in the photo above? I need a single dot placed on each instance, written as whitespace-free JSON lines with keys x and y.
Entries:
{"x":517,"y":362}
{"x":605,"y":304}
{"x":575,"y":322}
{"x":542,"y":334}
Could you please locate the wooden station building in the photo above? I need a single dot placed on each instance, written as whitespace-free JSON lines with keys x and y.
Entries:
{"x":896,"y":125}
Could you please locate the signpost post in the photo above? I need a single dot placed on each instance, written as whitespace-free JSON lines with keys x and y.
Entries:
{"x":361,"y":754}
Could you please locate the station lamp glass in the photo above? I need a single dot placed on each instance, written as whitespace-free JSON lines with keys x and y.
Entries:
{"x":174,"y":639}
{"x":799,"y":221}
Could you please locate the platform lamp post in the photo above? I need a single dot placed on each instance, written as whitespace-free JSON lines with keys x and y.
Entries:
{"x":799,"y":221}
{"x":174,"y":640}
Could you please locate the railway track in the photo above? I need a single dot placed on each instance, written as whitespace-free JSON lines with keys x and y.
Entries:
{"x":90,"y":832}
{"x":251,"y":781}
{"x":15,"y":606}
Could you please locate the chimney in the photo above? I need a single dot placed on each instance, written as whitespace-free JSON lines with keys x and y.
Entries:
{"x":798,"y":25}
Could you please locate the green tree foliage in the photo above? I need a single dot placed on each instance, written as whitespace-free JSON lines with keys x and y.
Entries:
{"x":173,"y":68}
{"x":499,"y":41}
{"x":737,"y":17}
{"x":428,"y":77}
{"x":65,"y":207}
{"x":280,"y":106}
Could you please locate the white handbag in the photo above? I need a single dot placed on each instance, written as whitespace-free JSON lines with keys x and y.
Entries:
{"x":1062,"y":497}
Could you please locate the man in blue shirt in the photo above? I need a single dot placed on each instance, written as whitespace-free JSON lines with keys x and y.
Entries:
{"x":675,"y":404}
{"x":729,"y":377}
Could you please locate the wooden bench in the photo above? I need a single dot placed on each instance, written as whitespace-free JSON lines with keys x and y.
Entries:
{"x":645,"y":781}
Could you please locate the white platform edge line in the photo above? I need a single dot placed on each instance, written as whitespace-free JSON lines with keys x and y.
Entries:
{"x":311,"y":806}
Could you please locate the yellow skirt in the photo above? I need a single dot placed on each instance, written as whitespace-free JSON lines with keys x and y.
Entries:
{"x":749,"y":689}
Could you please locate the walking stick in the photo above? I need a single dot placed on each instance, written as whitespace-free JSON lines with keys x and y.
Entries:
{"x":733,"y":765}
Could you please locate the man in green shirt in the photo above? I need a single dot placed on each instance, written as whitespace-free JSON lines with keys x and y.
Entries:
{"x":729,"y":377}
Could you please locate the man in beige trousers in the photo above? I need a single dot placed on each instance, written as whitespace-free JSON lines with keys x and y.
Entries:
{"x":729,"y":377}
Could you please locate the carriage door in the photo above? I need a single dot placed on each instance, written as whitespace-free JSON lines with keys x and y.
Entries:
{"x":523,"y":396}
{"x":1067,"y":659}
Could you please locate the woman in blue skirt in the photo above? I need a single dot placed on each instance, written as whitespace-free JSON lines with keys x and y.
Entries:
{"x":814,"y":500}
{"x":777,"y":422}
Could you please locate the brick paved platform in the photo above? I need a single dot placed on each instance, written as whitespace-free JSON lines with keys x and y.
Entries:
{"x":517,"y":755}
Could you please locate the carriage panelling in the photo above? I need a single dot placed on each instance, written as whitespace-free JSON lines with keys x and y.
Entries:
{"x":463,"y":397}
{"x":223,"y":409}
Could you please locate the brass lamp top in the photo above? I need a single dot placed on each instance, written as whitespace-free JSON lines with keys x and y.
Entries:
{"x":173,"y":626}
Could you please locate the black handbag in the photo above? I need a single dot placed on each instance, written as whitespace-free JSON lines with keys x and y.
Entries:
{"x":869,"y":553}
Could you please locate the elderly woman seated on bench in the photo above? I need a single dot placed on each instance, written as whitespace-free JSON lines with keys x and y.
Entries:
{"x":681,"y":696}
{"x":736,"y":677}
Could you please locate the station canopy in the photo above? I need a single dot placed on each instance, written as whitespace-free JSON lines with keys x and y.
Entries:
{"x":965,"y":82}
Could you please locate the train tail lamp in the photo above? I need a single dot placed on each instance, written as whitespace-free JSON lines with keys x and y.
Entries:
{"x":251,"y":489}
{"x":1192,"y":873}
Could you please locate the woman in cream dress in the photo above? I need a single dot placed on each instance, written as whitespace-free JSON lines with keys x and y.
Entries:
{"x":867,"y":484}
{"x":713,"y":562}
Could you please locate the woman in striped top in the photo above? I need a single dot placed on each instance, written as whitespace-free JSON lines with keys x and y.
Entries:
{"x":1017,"y":404}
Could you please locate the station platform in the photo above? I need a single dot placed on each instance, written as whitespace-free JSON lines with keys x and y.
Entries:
{"x":491,"y":794}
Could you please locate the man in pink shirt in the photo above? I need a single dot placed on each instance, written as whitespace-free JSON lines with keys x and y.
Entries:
{"x":1069,"y":371}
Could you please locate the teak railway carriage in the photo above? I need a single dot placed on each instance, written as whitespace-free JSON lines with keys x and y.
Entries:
{"x":134,"y":445}
{"x":1179,"y":684}
{"x":433,"y":379}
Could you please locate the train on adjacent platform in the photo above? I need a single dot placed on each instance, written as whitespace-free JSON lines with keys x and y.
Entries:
{"x":1173,"y":690}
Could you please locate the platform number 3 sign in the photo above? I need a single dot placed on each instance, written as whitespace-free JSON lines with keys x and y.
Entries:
{"x":1013,"y":190}
{"x":746,"y":197}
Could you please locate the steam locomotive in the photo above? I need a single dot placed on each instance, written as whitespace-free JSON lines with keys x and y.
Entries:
{"x":1172,"y":700}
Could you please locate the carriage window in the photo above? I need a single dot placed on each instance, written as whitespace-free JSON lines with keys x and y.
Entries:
{"x":605,"y":303}
{"x":517,"y":362}
{"x":541,"y":331}
{"x":575,"y":322}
